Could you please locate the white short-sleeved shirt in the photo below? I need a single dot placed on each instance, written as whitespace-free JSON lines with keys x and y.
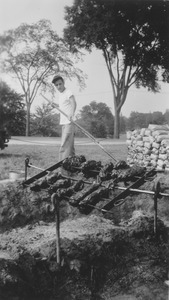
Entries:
{"x":65,"y":105}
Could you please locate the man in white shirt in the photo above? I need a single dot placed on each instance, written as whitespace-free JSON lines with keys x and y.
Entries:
{"x":67,"y":104}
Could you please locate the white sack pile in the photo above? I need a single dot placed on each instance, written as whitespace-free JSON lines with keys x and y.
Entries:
{"x":149,"y":147}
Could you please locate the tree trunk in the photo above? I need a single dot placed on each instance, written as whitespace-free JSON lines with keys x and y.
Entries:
{"x":28,"y":119}
{"x":117,"y":124}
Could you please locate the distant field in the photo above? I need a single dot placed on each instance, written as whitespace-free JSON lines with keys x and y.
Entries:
{"x":13,"y":157}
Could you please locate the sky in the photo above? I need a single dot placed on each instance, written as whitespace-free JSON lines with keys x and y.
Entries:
{"x":98,"y":87}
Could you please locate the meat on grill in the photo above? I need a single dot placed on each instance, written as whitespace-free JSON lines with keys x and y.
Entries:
{"x":91,"y":168}
{"x":131,"y":172}
{"x":105,"y":172}
{"x":92,"y":199}
{"x":40,"y":184}
{"x":35,"y":187}
{"x":62,"y":192}
{"x":75,"y":200}
{"x":72,"y":163}
{"x":51,"y":179}
{"x":121,"y":164}
{"x":61,"y":183}
{"x":45,"y":182}
{"x":114,"y":174}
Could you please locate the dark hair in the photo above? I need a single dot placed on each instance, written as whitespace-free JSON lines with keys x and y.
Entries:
{"x":56,"y":78}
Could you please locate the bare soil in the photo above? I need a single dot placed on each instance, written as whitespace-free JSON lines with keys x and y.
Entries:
{"x":113,"y":256}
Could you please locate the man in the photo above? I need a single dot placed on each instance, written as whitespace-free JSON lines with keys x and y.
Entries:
{"x":67,"y":104}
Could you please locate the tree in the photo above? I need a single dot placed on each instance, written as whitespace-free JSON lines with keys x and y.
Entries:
{"x":133,"y":37}
{"x":158,"y":118}
{"x":97,"y":119}
{"x":137,"y":120}
{"x":44,"y":122}
{"x":12,"y":110}
{"x":33,"y":54}
{"x":123,"y":124}
{"x":142,"y":120}
{"x":166,"y":116}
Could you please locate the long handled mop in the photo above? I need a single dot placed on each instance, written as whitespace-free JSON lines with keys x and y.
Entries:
{"x":82,"y":129}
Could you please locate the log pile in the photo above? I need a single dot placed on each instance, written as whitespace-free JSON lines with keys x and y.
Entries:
{"x":149,"y":147}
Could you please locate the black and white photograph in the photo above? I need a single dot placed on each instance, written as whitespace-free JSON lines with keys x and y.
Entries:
{"x":84,"y":149}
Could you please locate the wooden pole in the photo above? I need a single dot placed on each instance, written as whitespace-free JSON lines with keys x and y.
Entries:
{"x":155,"y":214}
{"x":156,"y":194}
{"x":57,"y":220}
{"x":26,"y":167}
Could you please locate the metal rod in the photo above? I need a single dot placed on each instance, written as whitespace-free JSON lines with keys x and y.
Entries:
{"x":115,"y":187}
{"x":43,"y":173}
{"x":157,"y":188}
{"x":155,"y":213}
{"x":98,"y":208}
{"x":26,"y":167}
{"x":126,"y":192}
{"x":32,"y":166}
{"x":55,"y":200}
{"x":141,"y":191}
{"x":82,"y":129}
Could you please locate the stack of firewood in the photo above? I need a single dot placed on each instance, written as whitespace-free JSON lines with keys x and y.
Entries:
{"x":149,"y":146}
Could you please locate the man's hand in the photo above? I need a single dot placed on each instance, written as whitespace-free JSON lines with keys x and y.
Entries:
{"x":54,"y":105}
{"x":71,"y":117}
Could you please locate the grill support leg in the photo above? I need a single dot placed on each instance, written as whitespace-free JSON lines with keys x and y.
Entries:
{"x":26,"y":167}
{"x":155,"y":215}
{"x":55,"y":201}
{"x":156,"y":195}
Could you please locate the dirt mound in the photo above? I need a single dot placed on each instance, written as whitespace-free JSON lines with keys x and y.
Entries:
{"x":102,"y":256}
{"x":19,"y":206}
{"x":99,"y":260}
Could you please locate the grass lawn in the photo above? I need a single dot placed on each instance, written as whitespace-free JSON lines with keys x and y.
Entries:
{"x":13,"y":157}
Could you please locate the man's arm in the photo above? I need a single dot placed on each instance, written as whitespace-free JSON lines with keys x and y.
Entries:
{"x":73,"y":107}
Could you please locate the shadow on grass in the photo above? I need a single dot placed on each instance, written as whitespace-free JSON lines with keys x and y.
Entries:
{"x":6,"y":155}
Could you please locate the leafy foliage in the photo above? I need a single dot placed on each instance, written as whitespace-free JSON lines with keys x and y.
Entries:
{"x":133,"y":37}
{"x":166,"y":116}
{"x":33,"y":54}
{"x":97,"y":119}
{"x":45,"y":123}
{"x":142,"y":120}
{"x":12,"y":110}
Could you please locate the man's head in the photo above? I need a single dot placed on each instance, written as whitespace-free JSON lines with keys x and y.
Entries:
{"x":59,"y":83}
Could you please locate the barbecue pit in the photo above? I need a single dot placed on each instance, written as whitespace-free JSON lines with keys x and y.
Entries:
{"x":87,"y":184}
{"x":132,"y":183}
